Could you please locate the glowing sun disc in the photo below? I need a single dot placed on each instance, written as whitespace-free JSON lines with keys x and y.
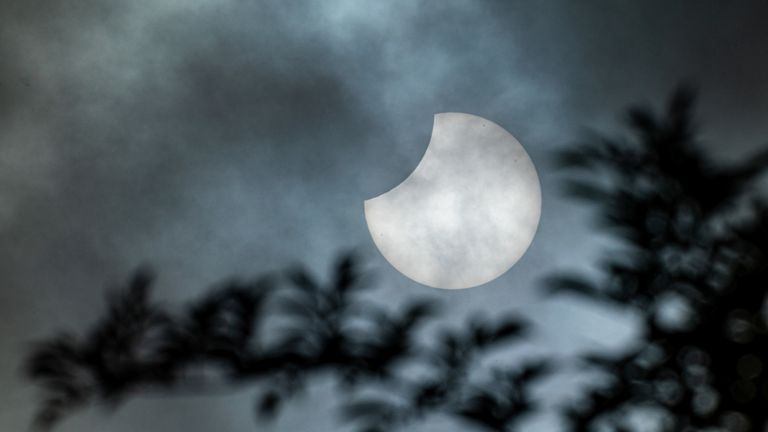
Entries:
{"x":467,"y":213}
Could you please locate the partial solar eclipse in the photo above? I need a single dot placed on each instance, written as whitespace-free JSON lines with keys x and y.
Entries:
{"x":467,"y":213}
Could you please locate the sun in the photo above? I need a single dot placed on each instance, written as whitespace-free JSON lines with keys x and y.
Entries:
{"x":467,"y":213}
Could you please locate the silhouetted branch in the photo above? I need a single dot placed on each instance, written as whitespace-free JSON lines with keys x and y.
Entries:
{"x":688,"y":248}
{"x":277,"y":333}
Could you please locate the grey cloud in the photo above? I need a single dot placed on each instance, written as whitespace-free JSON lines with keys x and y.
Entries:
{"x":212,"y":138}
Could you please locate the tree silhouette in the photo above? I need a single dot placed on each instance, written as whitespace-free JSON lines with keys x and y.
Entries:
{"x":496,"y":403}
{"x":692,"y":265}
{"x":280,"y":333}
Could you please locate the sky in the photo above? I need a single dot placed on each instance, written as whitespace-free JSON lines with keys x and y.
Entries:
{"x":211,"y":138}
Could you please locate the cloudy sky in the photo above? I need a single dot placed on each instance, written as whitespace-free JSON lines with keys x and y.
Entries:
{"x":210,"y":138}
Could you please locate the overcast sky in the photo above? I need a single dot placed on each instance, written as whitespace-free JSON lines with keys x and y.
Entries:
{"x":210,"y":138}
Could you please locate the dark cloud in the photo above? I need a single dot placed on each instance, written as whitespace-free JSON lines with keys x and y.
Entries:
{"x":217,"y":137}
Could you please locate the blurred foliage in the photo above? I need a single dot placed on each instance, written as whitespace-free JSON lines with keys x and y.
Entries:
{"x":495,"y":403}
{"x":279,"y":333}
{"x":692,"y":263}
